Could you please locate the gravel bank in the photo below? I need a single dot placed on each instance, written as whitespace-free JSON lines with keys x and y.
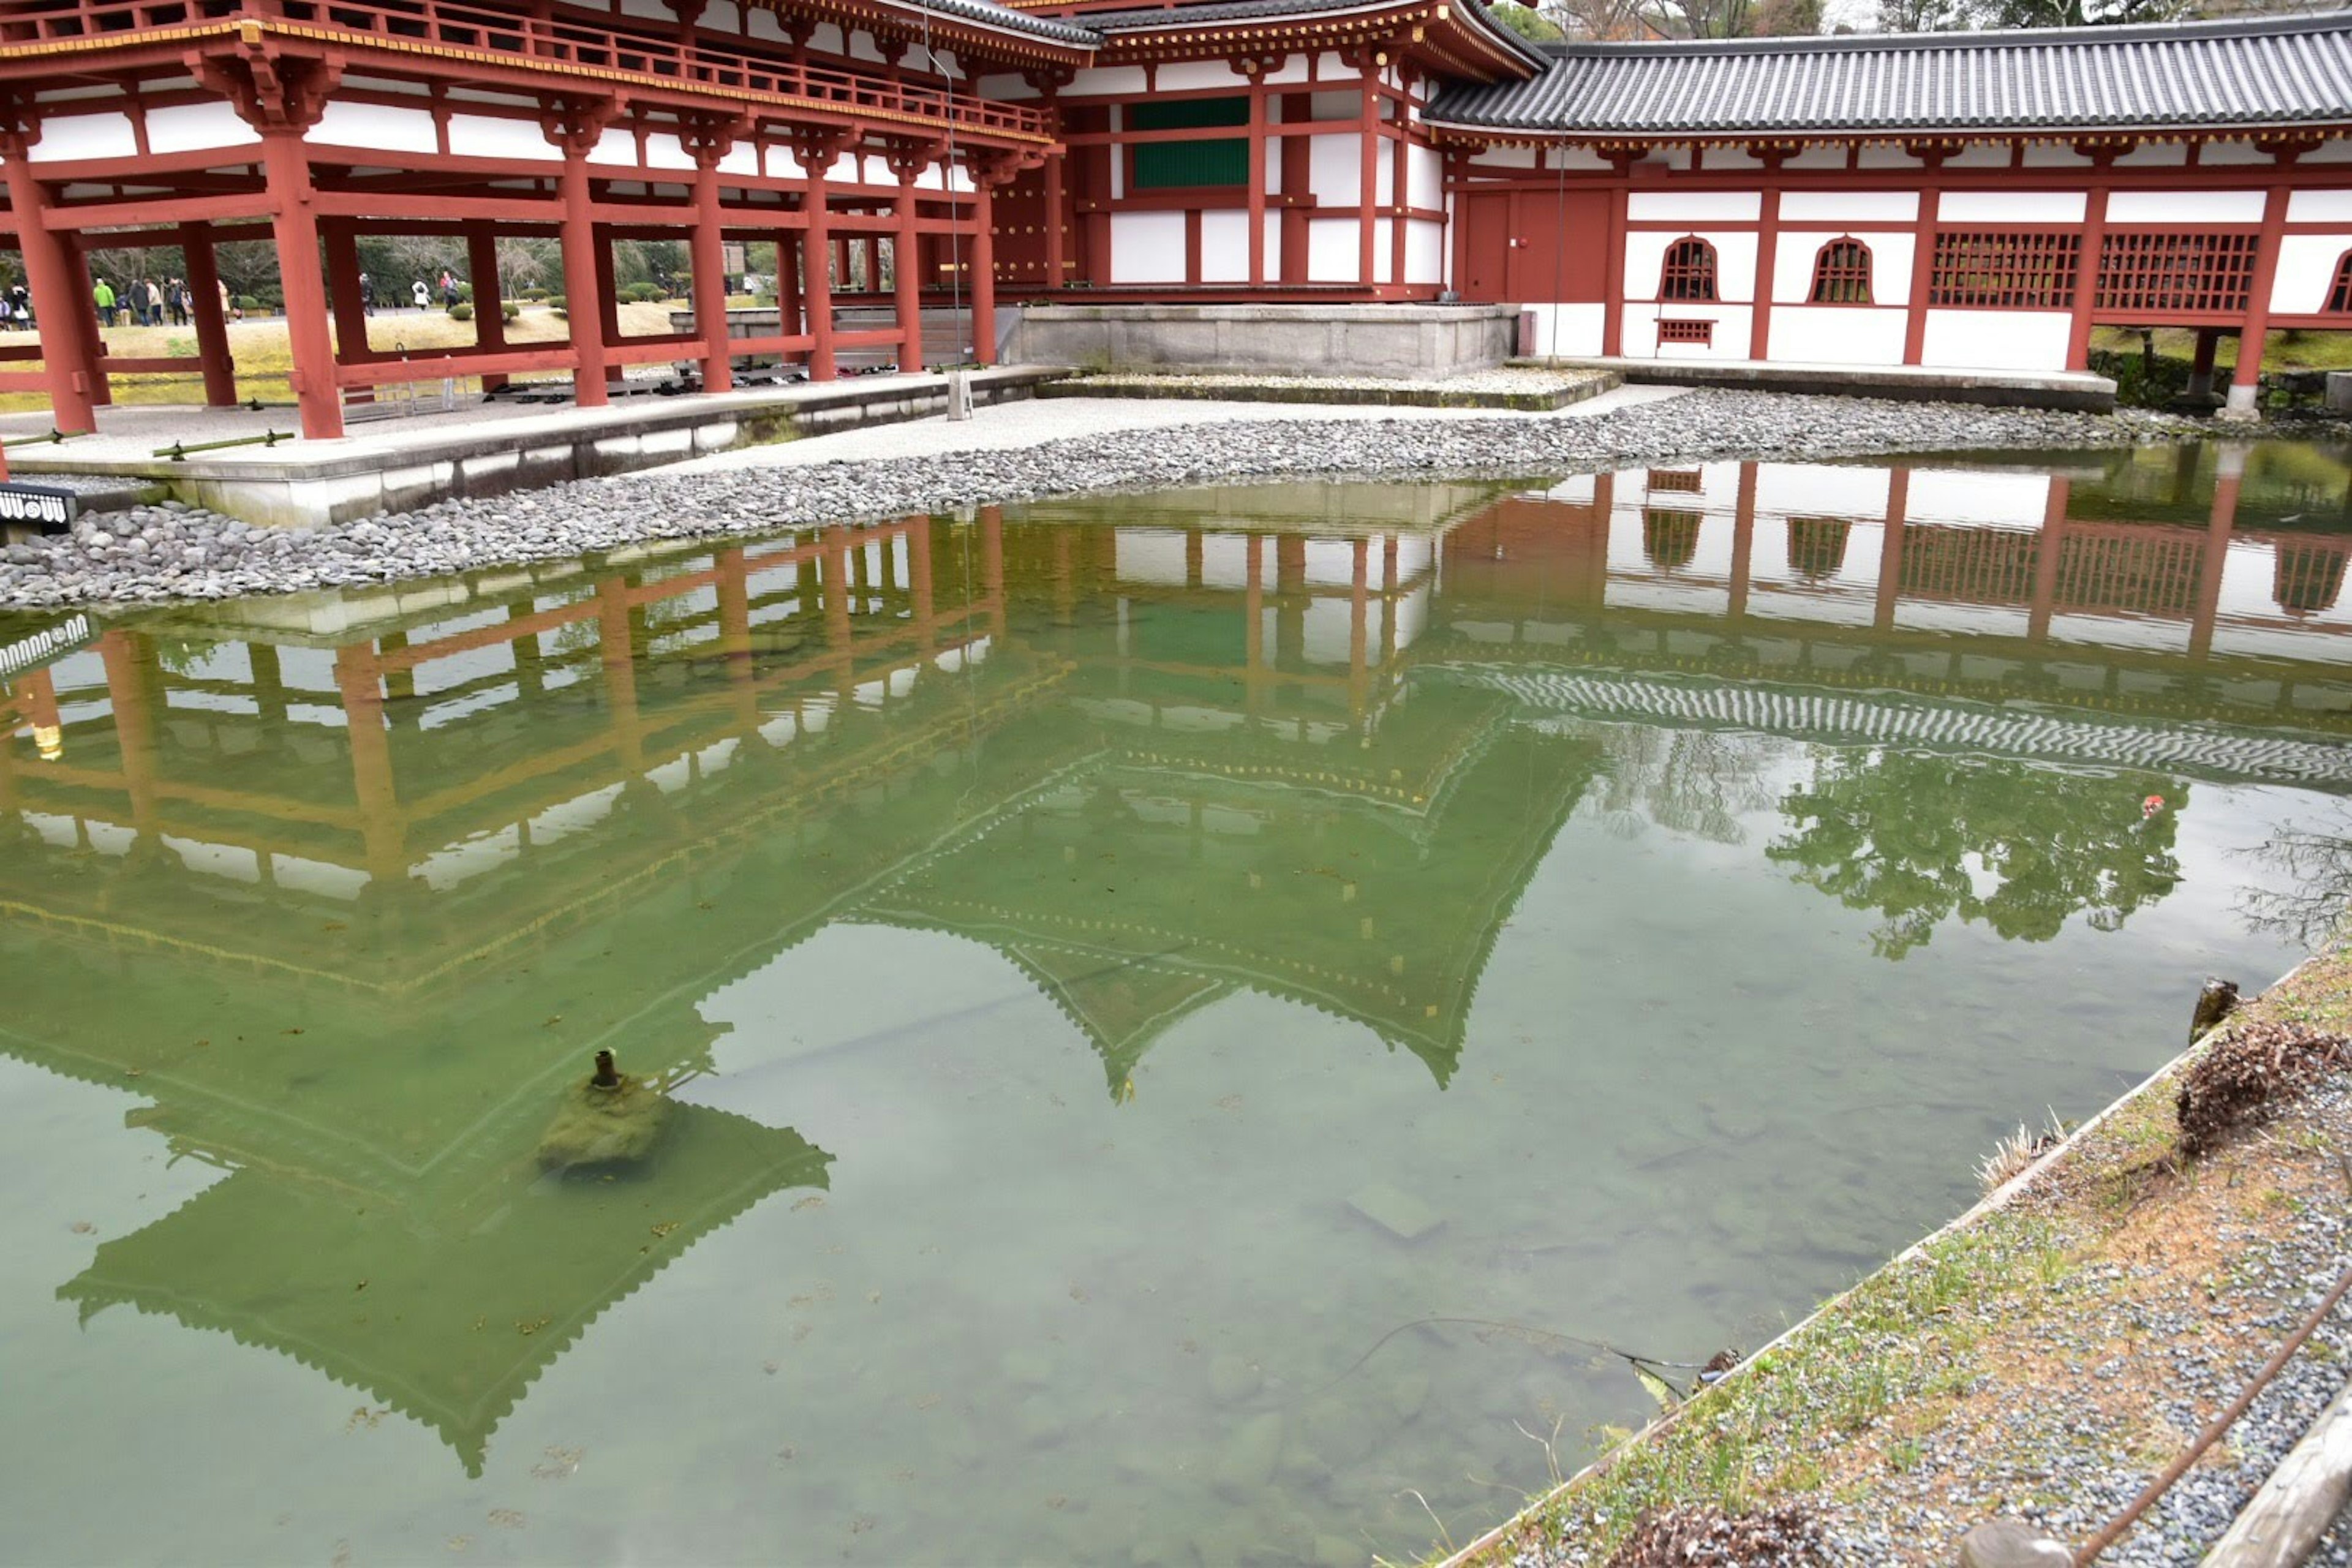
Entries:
{"x":2042,"y":1361}
{"x":172,"y":553}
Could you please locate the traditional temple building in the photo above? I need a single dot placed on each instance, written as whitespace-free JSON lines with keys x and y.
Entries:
{"x":1957,"y":203}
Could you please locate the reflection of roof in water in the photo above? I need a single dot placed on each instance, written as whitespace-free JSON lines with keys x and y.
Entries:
{"x":444,"y":1320}
{"x":1892,"y":718}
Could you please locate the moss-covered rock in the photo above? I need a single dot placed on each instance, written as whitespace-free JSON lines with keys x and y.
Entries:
{"x":601,"y":1124}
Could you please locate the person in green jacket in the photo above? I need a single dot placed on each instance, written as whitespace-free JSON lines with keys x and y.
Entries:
{"x":104,"y":294}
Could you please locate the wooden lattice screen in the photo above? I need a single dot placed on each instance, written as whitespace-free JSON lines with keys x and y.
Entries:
{"x":1700,"y":333}
{"x":2339,"y":297}
{"x":1688,"y":272}
{"x":2187,"y":272}
{"x":1682,"y":481}
{"x":1841,"y":273}
{"x":1670,"y":538}
{"x":2030,"y":270}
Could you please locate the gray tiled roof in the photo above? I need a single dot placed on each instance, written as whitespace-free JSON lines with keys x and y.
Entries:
{"x":1187,"y":12}
{"x":2284,"y":71}
{"x":1004,"y":18}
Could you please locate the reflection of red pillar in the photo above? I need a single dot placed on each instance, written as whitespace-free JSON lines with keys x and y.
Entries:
{"x":918,"y":567}
{"x":735,"y":634}
{"x":835,"y":589}
{"x":619,"y":654}
{"x":2049,"y":554}
{"x":1360,"y":583}
{"x":358,"y":678}
{"x":61,"y":308}
{"x":1890,"y":548}
{"x":991,"y":566}
{"x":581,"y":307}
{"x":211,"y":328}
{"x":1743,"y":542}
{"x":1388,"y":601}
{"x":2216,"y":555}
{"x":1254,"y":631}
{"x":128,"y":667}
{"x":1065,"y":591}
{"x":295,"y":228}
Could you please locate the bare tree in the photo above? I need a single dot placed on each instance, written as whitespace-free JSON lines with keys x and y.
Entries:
{"x":1605,"y":21}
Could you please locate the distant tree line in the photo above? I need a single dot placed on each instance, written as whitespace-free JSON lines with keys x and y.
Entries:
{"x":1623,"y":20}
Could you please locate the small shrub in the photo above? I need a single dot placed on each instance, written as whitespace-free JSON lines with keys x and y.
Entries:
{"x":509,"y":309}
{"x":641,"y":293}
{"x":247,"y":303}
{"x":461,"y":311}
{"x":555,"y":304}
{"x":534,"y":292}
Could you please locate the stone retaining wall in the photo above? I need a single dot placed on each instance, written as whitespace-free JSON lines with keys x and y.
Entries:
{"x":1416,"y":341}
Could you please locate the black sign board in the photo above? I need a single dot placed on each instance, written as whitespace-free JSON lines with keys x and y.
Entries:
{"x":19,"y":654}
{"x":48,"y":508}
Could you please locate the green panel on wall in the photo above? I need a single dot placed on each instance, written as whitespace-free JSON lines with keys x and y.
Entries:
{"x":1170,"y":165}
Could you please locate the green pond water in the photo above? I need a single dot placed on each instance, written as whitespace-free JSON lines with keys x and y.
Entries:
{"x":1111,"y":968}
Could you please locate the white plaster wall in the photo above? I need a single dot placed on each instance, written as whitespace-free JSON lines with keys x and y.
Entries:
{"x":1384,"y":175}
{"x":1225,"y":246}
{"x":69,"y":137}
{"x":1891,"y":254}
{"x":1344,"y":105}
{"x":1732,"y":158}
{"x":2155,"y":155}
{"x":1568,"y":329}
{"x":1886,"y":158}
{"x":1424,"y":251}
{"x":1332,"y":169}
{"x":740,"y":159}
{"x":825,"y":38}
{"x":1505,"y":158}
{"x":1383,"y":250}
{"x":1424,"y":177}
{"x":2052,"y":155}
{"x":862,"y":46}
{"x":2306,"y":271}
{"x":1735,"y":261}
{"x":1115,"y":81}
{"x":1332,"y":250}
{"x":1294,"y":69}
{"x":2335,"y":151}
{"x":2215,"y":154}
{"x":1693,"y":206}
{"x":1997,"y":340}
{"x":663,"y":151}
{"x":2184,"y":206}
{"x":1147,"y":248}
{"x":494,"y":136}
{"x":1990,"y":155}
{"x":1732,"y":325}
{"x":1818,"y":158}
{"x":617,"y":146}
{"x":2302,"y":206}
{"x":1003,"y":88}
{"x":1579,"y":158}
{"x":1837,"y":334}
{"x":2013,"y":206}
{"x":1192,"y":75}
{"x":1849,"y":206}
{"x":182,"y":127}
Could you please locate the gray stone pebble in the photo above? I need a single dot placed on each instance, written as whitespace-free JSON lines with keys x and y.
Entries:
{"x":167,"y":552}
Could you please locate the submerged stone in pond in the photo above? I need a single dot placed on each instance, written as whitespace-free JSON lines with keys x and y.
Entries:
{"x":602,"y":1125}
{"x":1399,"y":1212}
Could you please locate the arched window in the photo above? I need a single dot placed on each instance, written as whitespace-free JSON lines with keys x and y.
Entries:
{"x":1688,"y":272}
{"x":2339,"y":297}
{"x":1841,"y":273}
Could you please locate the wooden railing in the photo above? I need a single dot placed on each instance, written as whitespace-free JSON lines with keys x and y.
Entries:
{"x":478,"y":30}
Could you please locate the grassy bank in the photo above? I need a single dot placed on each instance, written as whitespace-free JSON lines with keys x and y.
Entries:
{"x":263,"y":356}
{"x":2041,"y":1359}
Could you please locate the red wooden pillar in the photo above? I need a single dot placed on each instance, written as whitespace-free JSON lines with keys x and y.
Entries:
{"x":1298,"y":179}
{"x":1400,"y":199}
{"x":1613,"y":315}
{"x":906,"y":265}
{"x":711,"y":267}
{"x":1768,"y":247}
{"x":815,"y":152}
{"x":211,"y":328}
{"x":1923,"y":269}
{"x":61,"y":308}
{"x":1368,"y":166}
{"x":343,"y":298}
{"x":988,"y":173}
{"x":2200,"y":369}
{"x":2087,"y":277}
{"x":1255,"y":71}
{"x":2245,"y":382}
{"x":788,"y":281}
{"x":295,"y":228}
{"x":581,"y":307}
{"x":489,"y":300}
{"x":1056,"y":237}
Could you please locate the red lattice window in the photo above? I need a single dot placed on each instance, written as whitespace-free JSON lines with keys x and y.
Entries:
{"x":1684,"y":480}
{"x":2339,"y":297}
{"x":2004,"y":269}
{"x":1700,"y":333}
{"x":1841,"y":273}
{"x":2193,"y":272}
{"x":1688,"y":272}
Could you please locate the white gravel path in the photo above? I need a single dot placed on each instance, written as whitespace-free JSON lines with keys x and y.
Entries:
{"x":1004,"y":427}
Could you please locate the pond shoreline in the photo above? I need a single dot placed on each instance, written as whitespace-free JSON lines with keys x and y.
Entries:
{"x":2042,"y":1356}
{"x":172,"y":553}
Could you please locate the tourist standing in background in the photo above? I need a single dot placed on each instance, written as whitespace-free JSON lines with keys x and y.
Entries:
{"x":102,"y":293}
{"x":421,"y":294}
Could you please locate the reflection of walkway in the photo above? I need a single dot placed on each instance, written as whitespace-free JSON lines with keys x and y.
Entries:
{"x":1901,"y":720}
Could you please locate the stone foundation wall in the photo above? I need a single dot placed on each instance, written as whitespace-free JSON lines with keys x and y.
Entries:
{"x":1398,"y":340}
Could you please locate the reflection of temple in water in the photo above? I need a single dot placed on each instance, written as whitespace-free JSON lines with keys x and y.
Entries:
{"x":1218,"y":748}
